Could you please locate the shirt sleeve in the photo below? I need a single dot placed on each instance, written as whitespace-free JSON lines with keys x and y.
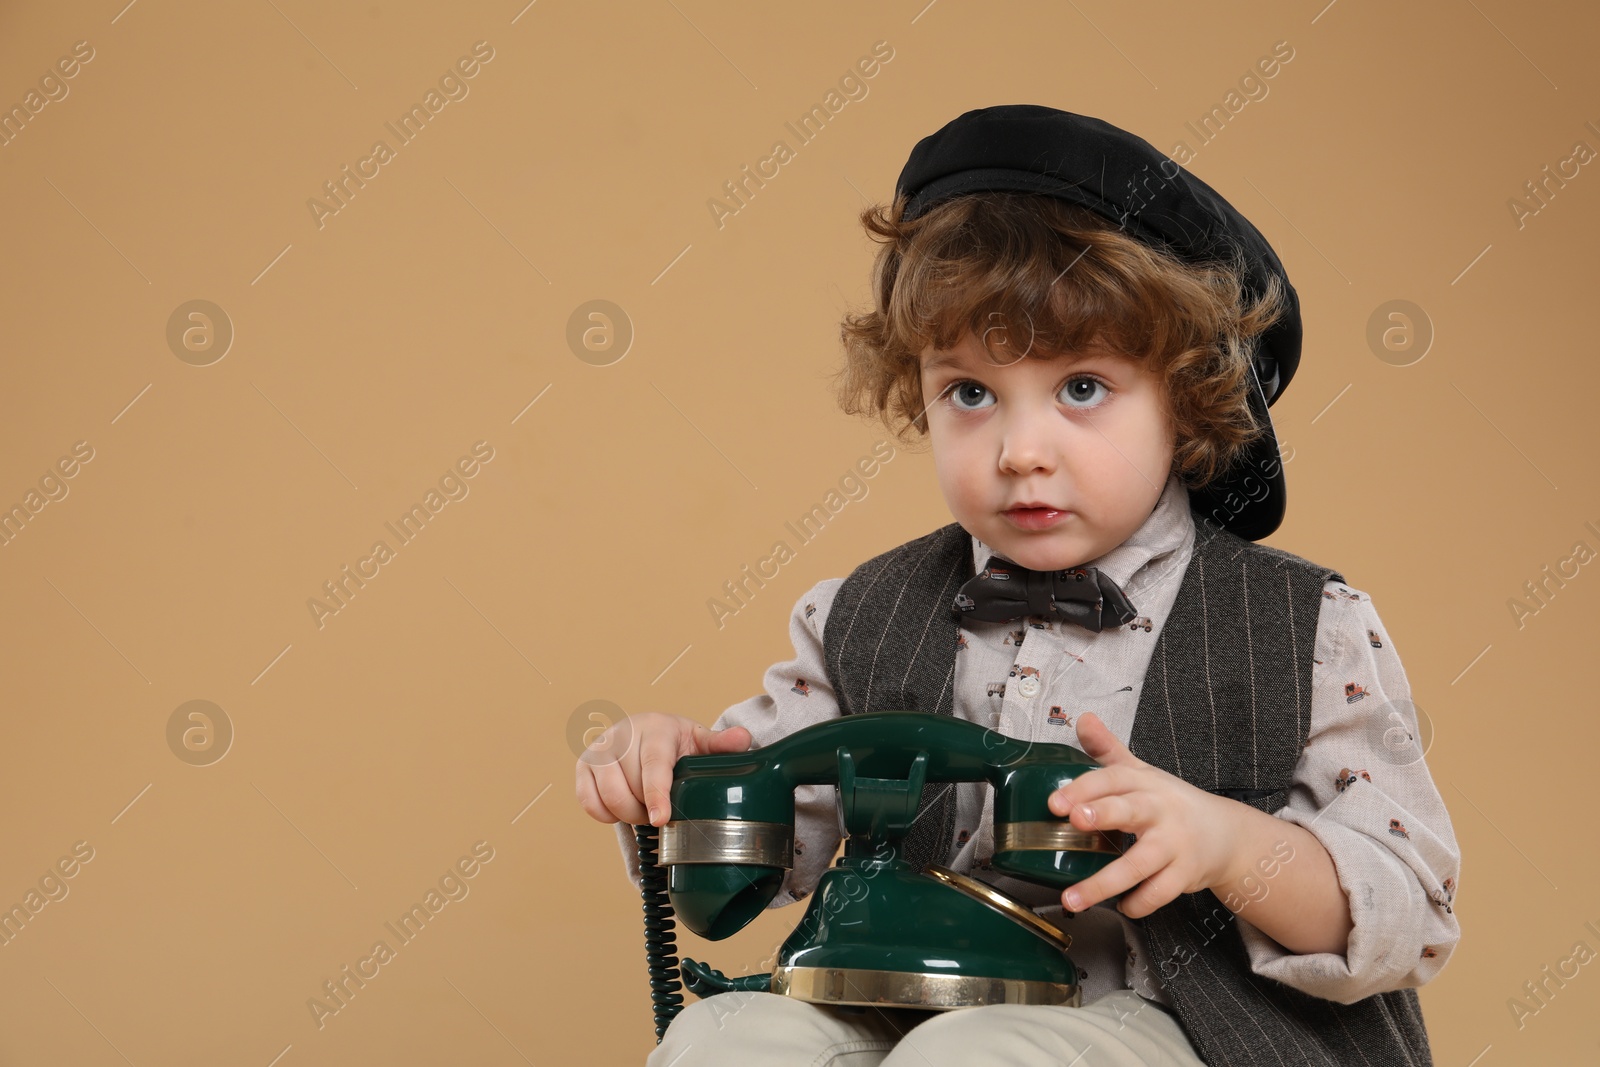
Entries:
{"x":796,"y":694}
{"x":1363,"y":789}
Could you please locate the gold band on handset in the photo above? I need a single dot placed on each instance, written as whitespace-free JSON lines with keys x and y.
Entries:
{"x":737,"y":841}
{"x":1045,"y":836}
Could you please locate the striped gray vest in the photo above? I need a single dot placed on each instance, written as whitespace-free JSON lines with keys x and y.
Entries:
{"x":1245,"y":620}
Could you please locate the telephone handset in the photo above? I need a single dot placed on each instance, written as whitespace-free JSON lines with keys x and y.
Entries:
{"x":876,"y":931}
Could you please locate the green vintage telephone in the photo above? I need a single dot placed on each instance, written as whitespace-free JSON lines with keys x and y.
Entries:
{"x":877,"y":931}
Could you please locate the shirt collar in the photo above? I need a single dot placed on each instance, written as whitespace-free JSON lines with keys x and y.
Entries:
{"x":1168,"y":528}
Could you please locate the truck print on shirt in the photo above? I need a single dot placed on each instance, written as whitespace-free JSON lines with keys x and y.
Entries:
{"x":1346,"y":778}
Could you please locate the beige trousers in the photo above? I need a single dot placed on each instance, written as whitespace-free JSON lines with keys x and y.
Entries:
{"x":1120,"y":1029}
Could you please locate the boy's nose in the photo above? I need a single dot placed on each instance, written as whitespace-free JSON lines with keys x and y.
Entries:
{"x":1026,"y":445}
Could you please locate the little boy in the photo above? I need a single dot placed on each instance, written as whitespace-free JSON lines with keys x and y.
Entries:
{"x":1089,"y":337}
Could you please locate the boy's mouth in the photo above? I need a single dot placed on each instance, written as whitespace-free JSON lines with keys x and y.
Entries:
{"x":1040,"y":517}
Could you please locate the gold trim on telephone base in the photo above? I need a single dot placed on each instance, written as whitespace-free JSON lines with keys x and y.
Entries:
{"x":912,"y":989}
{"x":1011,"y":909}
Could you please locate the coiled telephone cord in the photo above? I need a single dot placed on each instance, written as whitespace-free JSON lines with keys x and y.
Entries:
{"x":660,"y":945}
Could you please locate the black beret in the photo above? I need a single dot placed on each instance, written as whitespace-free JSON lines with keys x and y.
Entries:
{"x":1035,"y":149}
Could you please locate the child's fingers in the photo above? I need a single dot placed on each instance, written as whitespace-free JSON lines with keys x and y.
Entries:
{"x":1098,"y":741}
{"x":1131,"y":811}
{"x":733,"y":739}
{"x":1127,"y":870}
{"x":697,"y":738}
{"x":1152,"y":892}
{"x":589,"y":796}
{"x":616,"y":793}
{"x":1100,"y":782}
{"x":652,"y":780}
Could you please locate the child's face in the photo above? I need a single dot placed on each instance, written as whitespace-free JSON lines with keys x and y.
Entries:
{"x":1085,"y":433}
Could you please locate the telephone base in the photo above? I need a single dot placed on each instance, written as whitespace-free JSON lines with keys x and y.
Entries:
{"x":912,"y":989}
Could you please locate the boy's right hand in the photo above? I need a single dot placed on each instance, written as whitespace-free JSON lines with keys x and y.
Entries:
{"x":617,"y":785}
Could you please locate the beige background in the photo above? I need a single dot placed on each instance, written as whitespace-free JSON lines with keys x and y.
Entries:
{"x":433,"y":309}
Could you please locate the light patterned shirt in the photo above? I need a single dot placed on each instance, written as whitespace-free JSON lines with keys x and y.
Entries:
{"x":1361,"y":785}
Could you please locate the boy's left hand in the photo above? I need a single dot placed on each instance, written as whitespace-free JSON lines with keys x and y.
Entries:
{"x":1186,"y":836}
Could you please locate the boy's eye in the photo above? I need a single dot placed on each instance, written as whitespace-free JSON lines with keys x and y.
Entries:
{"x":1080,"y":391}
{"x":964,"y":391}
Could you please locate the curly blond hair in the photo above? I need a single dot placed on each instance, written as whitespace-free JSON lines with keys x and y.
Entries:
{"x":1067,"y":278}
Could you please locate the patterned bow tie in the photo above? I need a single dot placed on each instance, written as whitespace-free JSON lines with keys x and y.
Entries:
{"x":1082,"y":595}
